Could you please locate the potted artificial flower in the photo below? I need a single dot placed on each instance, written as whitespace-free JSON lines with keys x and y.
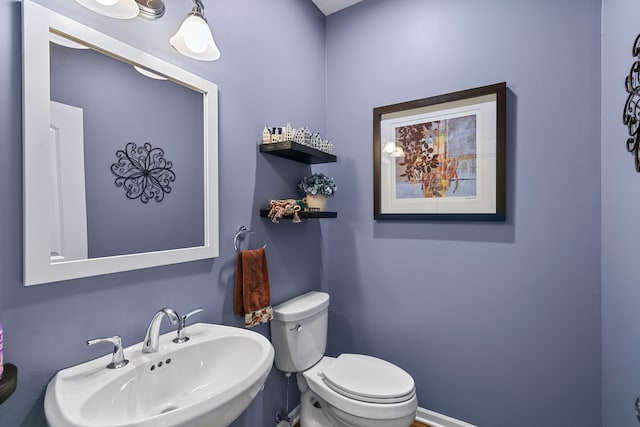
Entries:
{"x":315,"y":189}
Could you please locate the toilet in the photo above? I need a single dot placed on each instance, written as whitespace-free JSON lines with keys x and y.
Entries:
{"x":351,"y":390}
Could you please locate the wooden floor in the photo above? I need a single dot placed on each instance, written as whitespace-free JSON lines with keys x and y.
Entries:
{"x":415,"y":424}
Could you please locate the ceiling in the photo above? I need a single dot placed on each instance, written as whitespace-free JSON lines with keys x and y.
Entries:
{"x":330,"y":6}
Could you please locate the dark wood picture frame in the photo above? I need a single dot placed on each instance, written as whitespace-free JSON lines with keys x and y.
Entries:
{"x":426,"y":150}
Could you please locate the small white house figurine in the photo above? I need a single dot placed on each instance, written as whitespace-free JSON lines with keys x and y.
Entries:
{"x":266,"y":135}
{"x":272,"y":135}
{"x":303,"y":136}
{"x":287,"y":133}
{"x":316,"y":141}
{"x":298,"y":136}
{"x":276,"y":136}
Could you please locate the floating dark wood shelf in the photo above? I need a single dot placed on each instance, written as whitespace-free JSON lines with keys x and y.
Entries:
{"x":304,"y":214}
{"x":8,"y":382}
{"x":300,"y":153}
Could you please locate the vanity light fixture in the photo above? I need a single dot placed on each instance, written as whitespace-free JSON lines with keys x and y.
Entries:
{"x":148,"y":73}
{"x":391,"y":149}
{"x":398,"y":152}
{"x":193,"y":39}
{"x":119,"y":9}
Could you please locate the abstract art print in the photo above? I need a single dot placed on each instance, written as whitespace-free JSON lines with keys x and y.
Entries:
{"x":441,"y":157}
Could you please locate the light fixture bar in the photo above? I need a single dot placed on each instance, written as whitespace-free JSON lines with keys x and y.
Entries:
{"x":151,"y":9}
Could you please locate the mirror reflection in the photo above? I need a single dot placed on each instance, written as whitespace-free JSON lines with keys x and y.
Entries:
{"x":127,"y":166}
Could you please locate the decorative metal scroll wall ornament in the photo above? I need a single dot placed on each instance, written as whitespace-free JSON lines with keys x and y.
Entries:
{"x":143,"y":172}
{"x":631,"y":115}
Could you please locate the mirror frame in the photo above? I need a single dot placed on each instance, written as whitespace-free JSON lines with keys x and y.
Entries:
{"x":38,"y":21}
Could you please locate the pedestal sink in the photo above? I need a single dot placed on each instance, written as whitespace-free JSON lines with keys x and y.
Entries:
{"x":207,"y":381}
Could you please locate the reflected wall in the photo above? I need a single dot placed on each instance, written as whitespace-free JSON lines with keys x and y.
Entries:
{"x":120,"y":106}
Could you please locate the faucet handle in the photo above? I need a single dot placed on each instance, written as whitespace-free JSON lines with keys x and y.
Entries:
{"x":182,"y":334}
{"x":191,"y":313}
{"x":118,"y":360}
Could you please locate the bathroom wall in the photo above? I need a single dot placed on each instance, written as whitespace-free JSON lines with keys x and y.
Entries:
{"x":499,"y":323}
{"x":620,"y":207}
{"x":272,"y":70}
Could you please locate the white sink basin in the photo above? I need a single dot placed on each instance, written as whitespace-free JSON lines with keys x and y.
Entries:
{"x":207,"y":381}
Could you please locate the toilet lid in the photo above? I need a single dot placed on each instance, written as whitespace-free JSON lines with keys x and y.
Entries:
{"x":368,"y":379}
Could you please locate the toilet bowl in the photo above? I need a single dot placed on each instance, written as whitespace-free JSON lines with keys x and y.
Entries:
{"x":352,"y":390}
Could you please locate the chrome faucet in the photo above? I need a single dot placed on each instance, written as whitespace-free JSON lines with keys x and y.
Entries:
{"x":152,"y":337}
{"x":118,"y":360}
{"x":182,"y":325}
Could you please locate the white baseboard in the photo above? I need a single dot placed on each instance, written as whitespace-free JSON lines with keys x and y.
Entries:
{"x":438,"y":420}
{"x":424,"y":416}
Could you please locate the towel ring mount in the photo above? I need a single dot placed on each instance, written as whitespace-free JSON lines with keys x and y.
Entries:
{"x":240,"y":235}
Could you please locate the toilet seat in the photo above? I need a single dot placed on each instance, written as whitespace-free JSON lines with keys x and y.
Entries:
{"x":313,"y":380}
{"x":368,"y":379}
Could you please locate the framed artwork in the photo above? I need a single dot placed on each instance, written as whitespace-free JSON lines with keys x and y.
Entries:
{"x":441,"y":158}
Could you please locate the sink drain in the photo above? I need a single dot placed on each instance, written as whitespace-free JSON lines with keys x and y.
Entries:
{"x":169,"y":409}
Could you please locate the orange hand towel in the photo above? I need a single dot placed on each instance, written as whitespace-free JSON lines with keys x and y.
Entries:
{"x":252,"y":294}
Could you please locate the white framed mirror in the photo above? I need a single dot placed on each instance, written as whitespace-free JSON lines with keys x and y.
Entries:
{"x":120,"y":155}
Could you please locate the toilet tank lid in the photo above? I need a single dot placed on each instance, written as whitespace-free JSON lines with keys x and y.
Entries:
{"x":301,"y":307}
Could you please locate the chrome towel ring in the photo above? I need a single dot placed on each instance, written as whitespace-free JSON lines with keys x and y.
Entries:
{"x":240,"y":235}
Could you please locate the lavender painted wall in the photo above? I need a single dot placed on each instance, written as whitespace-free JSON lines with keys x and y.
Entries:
{"x":498,"y":323}
{"x":271,"y":71}
{"x":620,"y":207}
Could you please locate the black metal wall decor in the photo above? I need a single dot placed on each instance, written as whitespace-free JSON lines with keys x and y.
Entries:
{"x":631,"y":115}
{"x":143,"y":172}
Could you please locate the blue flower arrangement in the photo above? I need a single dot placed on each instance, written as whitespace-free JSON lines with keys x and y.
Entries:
{"x":318,"y":183}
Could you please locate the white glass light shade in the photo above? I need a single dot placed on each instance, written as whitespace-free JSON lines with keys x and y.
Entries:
{"x":194,"y":39}
{"x":119,"y":9}
{"x":398,"y":152}
{"x":389,"y":147}
{"x":148,"y":73}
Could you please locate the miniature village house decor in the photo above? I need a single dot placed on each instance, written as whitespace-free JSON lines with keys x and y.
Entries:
{"x":441,"y":158}
{"x":302,"y":136}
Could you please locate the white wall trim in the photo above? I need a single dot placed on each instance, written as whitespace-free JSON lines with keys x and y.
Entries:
{"x":438,"y":420}
{"x":424,"y":416}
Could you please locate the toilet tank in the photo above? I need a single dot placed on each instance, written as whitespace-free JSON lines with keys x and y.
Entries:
{"x":299,"y":331}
